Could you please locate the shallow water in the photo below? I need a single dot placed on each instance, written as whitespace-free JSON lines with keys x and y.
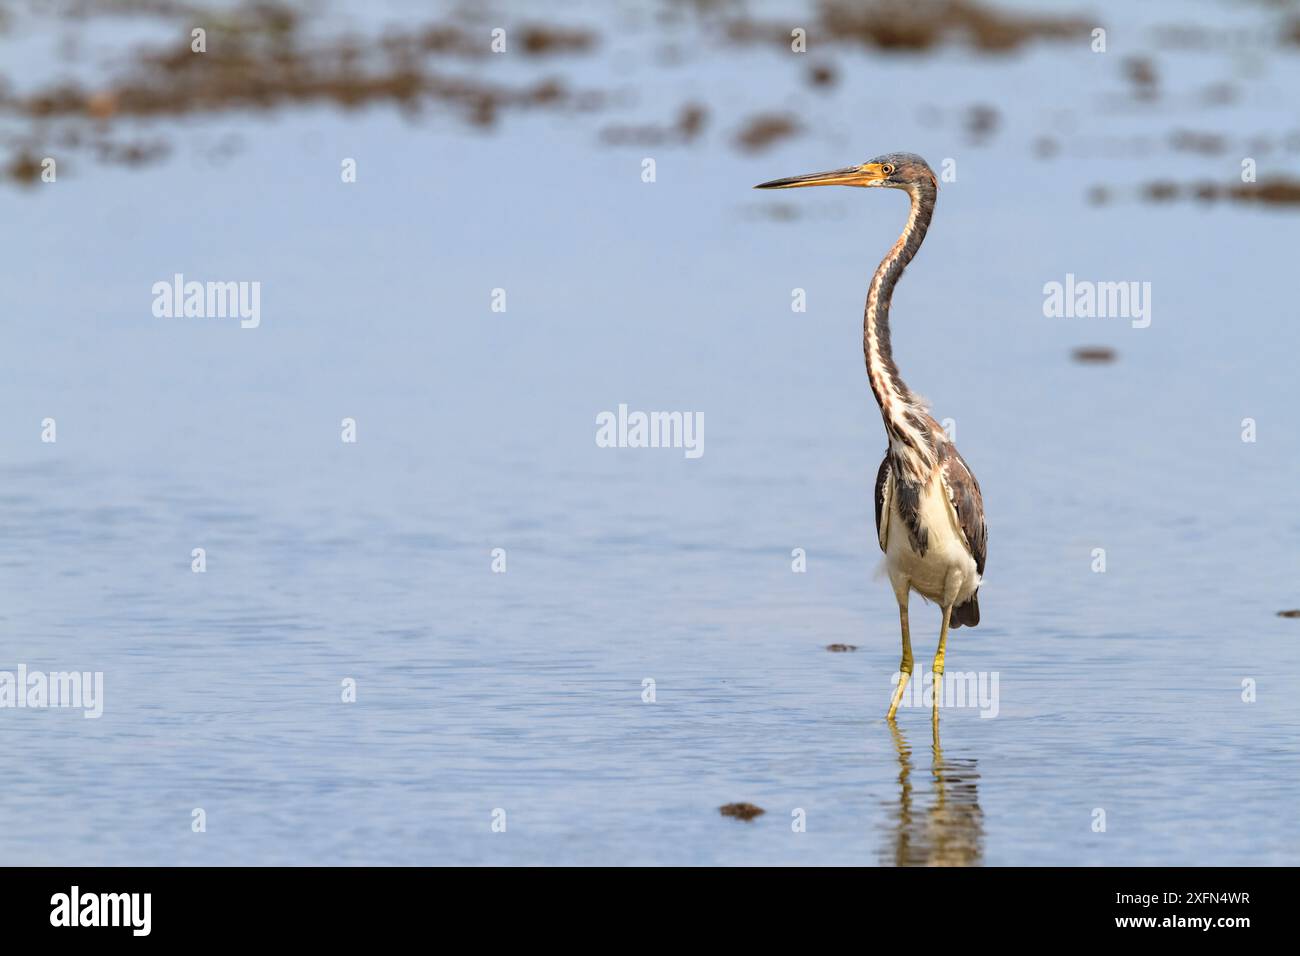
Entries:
{"x":523,"y":691}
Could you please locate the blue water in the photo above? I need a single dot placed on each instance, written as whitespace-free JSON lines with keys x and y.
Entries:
{"x":523,"y":691}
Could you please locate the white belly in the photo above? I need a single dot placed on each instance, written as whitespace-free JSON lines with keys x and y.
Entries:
{"x":946,"y":573}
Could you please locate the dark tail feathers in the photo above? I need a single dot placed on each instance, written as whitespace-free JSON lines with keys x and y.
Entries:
{"x":968,"y":613}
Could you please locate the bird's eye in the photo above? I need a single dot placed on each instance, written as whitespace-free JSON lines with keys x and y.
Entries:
{"x":887,"y":169}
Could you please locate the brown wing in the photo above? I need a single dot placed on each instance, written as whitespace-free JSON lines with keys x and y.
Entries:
{"x":964,"y":493}
{"x":882,"y":501}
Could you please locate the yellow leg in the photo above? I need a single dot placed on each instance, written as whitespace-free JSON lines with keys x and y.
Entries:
{"x":937,"y":668}
{"x":905,"y":667}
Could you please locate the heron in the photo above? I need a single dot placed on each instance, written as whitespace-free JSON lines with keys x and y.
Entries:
{"x":929,"y":510}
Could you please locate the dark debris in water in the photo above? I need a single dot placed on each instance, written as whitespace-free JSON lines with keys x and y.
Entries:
{"x":764,"y":129}
{"x":841,"y":648}
{"x":1273,"y":191}
{"x":1291,"y":31}
{"x":23,"y":168}
{"x":1220,"y":94}
{"x":261,"y":56}
{"x":916,"y":25}
{"x":741,"y":811}
{"x":264,"y":73}
{"x":1094,"y":355}
{"x":541,"y":40}
{"x":690,"y":122}
{"x":777,"y":211}
{"x":1194,"y":141}
{"x":981,"y":122}
{"x":1045,"y":147}
{"x":1294,"y":612}
{"x":1140,"y":71}
{"x":823,"y":75}
{"x":786,"y":211}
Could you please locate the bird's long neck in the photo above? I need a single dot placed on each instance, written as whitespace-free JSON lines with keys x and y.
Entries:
{"x":911,"y":443}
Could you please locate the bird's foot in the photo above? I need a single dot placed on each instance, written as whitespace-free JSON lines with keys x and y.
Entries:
{"x":905,"y":673}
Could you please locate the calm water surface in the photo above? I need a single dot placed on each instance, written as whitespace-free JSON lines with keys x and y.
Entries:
{"x":523,"y":691}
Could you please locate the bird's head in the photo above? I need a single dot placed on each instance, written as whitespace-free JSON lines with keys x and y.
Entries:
{"x":892,"y":170}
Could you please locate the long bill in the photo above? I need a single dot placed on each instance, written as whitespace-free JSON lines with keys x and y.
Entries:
{"x":868,"y":174}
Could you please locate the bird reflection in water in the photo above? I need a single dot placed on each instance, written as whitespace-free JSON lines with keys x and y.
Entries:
{"x":944,"y":827}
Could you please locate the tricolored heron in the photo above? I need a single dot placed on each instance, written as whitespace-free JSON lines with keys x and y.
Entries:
{"x":929,"y":512}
